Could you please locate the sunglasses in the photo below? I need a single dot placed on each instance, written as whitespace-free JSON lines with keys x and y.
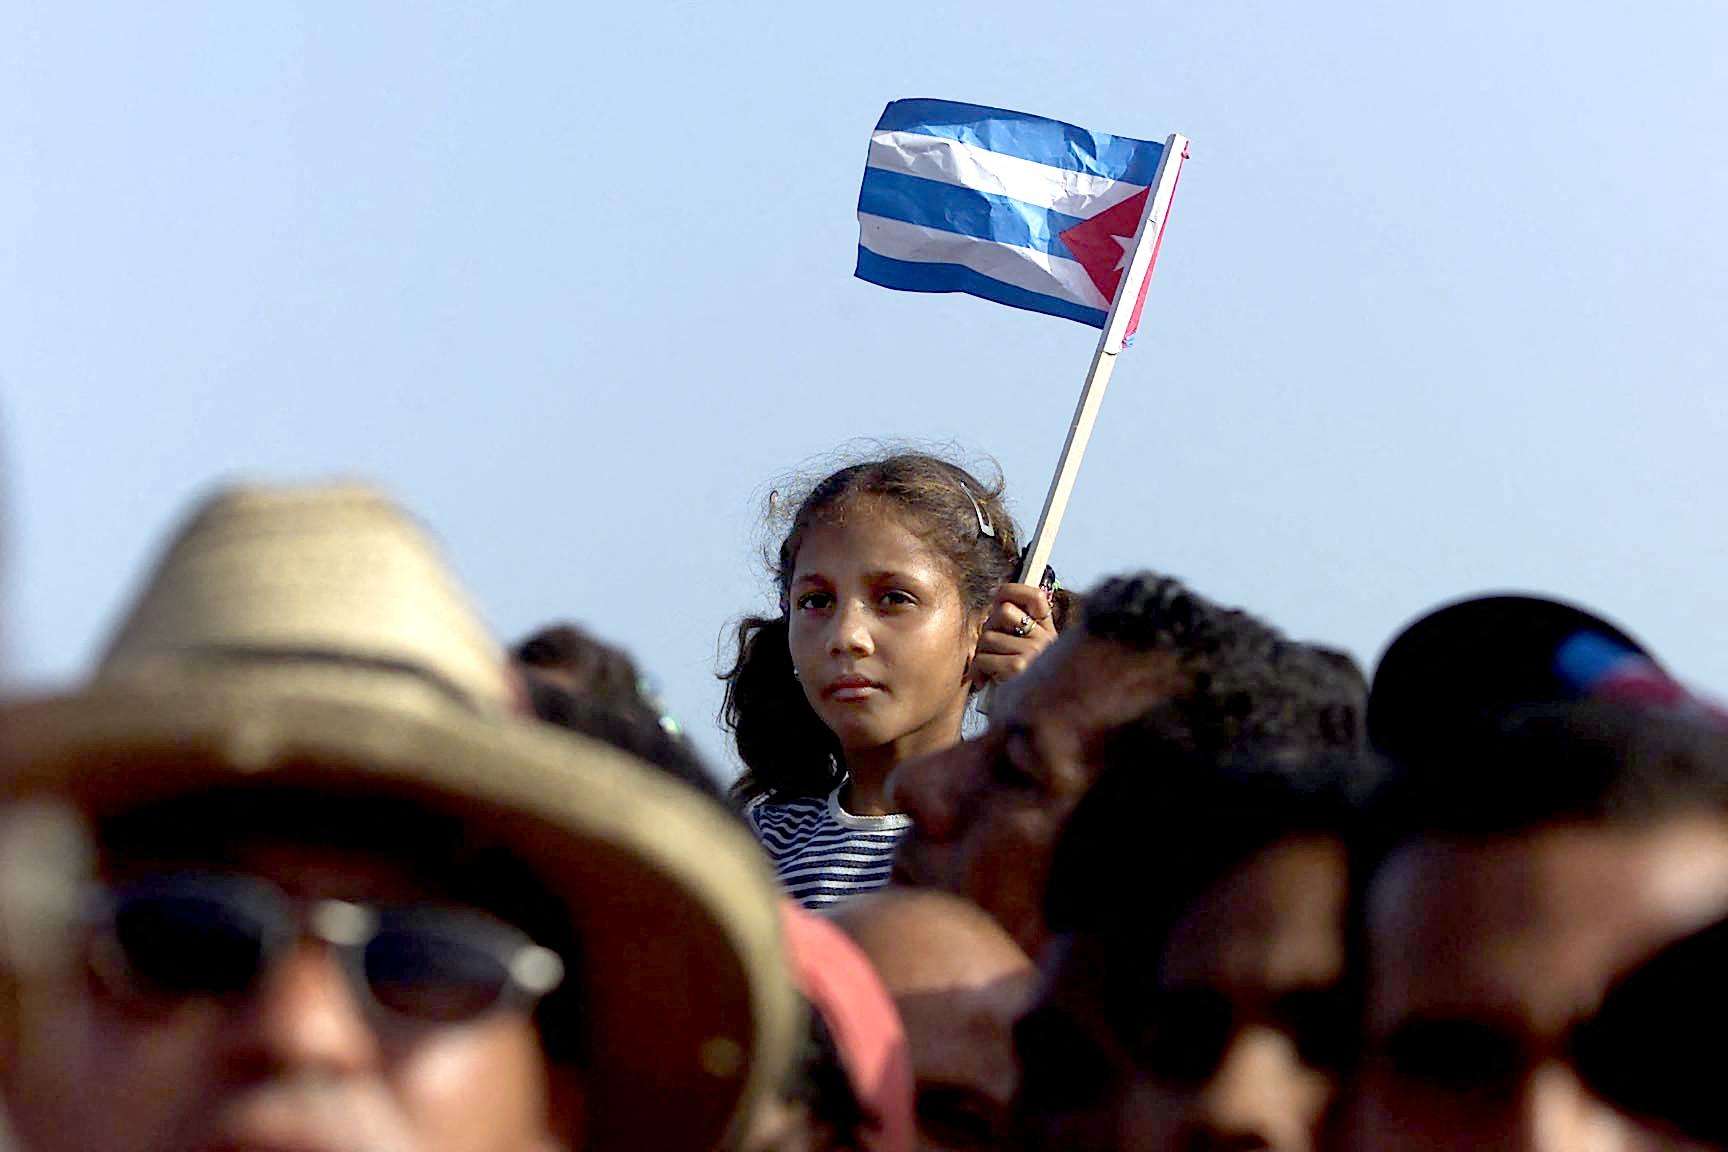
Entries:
{"x":193,"y":934}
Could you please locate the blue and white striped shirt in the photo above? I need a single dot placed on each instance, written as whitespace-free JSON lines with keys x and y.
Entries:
{"x":823,"y":853}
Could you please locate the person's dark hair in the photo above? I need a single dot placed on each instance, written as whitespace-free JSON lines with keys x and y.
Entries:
{"x":1557,"y":763}
{"x":590,"y":665}
{"x":786,"y":749}
{"x":632,"y":729}
{"x":819,"y":1082}
{"x":1248,"y":687}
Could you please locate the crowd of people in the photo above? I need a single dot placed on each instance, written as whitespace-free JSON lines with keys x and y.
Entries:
{"x":311,"y":862}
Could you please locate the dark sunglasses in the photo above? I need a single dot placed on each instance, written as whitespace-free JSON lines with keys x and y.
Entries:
{"x":196,"y":934}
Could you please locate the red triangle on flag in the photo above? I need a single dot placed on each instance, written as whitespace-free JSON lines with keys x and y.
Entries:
{"x":1103,"y":243}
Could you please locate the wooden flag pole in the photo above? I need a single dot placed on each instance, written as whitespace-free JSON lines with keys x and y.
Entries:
{"x":1110,"y":342}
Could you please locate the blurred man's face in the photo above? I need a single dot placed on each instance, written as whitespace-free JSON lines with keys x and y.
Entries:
{"x":1484,"y":954}
{"x":1225,"y":1035}
{"x":959,"y":984}
{"x":987,"y":811}
{"x":303,"y":1059}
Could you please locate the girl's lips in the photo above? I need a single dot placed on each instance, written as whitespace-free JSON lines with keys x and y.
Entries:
{"x":851,"y":688}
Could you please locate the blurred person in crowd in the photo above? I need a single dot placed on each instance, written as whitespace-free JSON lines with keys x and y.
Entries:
{"x":636,"y":730}
{"x":848,"y":1086}
{"x":1456,"y":673}
{"x":816,"y":1108}
{"x":574,"y":661}
{"x":896,"y":605}
{"x":1196,"y":994}
{"x":291,"y":873}
{"x":1544,"y":830}
{"x":1516,"y":874}
{"x":853,"y":1089}
{"x":959,"y":982}
{"x":580,"y":663}
{"x":987,"y":812}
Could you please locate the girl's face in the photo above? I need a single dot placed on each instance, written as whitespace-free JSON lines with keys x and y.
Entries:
{"x":879,"y":636}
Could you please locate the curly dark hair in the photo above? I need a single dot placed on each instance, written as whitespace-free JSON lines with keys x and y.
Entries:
{"x":1249,"y":686}
{"x":787,"y":750}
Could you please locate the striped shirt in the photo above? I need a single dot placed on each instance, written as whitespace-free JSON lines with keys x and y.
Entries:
{"x":823,"y":853}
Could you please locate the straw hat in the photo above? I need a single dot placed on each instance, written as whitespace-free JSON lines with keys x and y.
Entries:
{"x":312,"y":639}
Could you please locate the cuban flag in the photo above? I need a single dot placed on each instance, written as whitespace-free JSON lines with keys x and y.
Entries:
{"x":1025,"y":211}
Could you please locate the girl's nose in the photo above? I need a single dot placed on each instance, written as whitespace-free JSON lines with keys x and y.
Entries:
{"x":851,"y":635}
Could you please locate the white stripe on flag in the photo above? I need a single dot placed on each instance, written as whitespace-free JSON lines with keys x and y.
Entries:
{"x":966,"y":166}
{"x":1021,"y":267}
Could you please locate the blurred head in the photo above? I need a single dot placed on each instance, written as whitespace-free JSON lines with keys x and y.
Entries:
{"x":631,"y":729}
{"x":959,"y":982}
{"x":987,"y":812}
{"x":1196,"y":993}
{"x":565,"y":662}
{"x":1513,"y":882}
{"x":580,"y":663}
{"x":885,"y":574}
{"x":267,"y":970}
{"x":321,"y":887}
{"x":854,"y":1089}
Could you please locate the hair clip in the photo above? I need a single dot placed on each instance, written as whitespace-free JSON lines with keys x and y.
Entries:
{"x":985,"y":528}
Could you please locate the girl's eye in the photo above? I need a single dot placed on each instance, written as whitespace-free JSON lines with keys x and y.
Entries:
{"x":814,"y":601}
{"x":894,"y":598}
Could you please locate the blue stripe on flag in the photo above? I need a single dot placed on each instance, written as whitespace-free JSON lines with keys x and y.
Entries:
{"x":932,"y":204}
{"x":909,"y":276}
{"x":1032,"y":138}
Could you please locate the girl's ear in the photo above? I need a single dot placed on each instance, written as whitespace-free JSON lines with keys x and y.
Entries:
{"x":973,"y":635}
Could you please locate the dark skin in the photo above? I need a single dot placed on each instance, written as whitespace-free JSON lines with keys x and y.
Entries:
{"x":1212,"y":1038}
{"x":1475,"y":984}
{"x":296,"y":1064}
{"x":959,"y":983}
{"x":987,"y":811}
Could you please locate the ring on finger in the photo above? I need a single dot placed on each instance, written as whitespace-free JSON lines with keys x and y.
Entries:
{"x":1024,"y":628}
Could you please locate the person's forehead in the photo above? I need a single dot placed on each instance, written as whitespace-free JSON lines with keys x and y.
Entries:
{"x":1275,"y":923}
{"x":1533,"y":927}
{"x":1083,"y":685}
{"x":964,"y":1035}
{"x":865,"y":539}
{"x":919,"y":942}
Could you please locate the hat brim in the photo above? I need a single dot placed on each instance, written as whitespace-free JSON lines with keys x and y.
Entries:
{"x":688,"y":1013}
{"x":1470,"y":662}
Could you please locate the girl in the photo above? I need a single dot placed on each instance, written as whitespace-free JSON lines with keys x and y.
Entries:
{"x":895,"y":606}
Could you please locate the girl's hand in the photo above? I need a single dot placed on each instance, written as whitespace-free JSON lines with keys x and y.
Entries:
{"x":1018,"y":628}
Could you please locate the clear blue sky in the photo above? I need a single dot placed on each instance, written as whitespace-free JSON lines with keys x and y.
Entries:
{"x":1443,"y":304}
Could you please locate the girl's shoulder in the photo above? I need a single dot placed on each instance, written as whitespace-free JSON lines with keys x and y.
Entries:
{"x":771,"y":810}
{"x":772,"y":803}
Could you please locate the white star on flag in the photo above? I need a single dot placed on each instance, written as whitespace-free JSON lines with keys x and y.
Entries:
{"x":1126,"y":243}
